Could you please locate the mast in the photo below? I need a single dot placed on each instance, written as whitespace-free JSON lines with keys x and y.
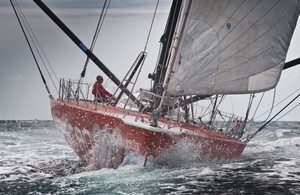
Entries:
{"x":166,"y":40}
{"x":89,"y":53}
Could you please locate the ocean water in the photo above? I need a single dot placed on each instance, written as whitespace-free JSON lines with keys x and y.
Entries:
{"x":35,"y":159}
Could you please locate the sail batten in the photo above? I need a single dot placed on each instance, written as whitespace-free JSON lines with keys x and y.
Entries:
{"x":232,"y":47}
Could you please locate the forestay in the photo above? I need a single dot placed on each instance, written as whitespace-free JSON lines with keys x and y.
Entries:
{"x":231,"y":47}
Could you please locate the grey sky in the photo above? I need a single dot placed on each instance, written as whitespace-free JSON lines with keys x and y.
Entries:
{"x":123,"y":36}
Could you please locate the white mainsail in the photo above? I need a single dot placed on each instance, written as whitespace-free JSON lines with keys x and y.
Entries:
{"x":232,"y":46}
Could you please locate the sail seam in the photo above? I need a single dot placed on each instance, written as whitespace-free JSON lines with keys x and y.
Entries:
{"x":231,"y":19}
{"x":267,"y":49}
{"x":217,"y":19}
{"x":250,"y":11}
{"x":210,"y":10}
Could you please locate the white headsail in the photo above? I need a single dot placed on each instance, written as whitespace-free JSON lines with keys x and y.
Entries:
{"x":231,"y":46}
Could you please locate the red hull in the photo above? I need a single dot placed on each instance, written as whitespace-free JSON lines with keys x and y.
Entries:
{"x":84,"y":124}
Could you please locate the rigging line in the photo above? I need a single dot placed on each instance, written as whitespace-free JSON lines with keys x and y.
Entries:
{"x":35,"y":42}
{"x":97,"y":31}
{"x":139,"y":72}
{"x":146,"y":44}
{"x":27,"y":40}
{"x":281,"y":101}
{"x":217,"y":111}
{"x":151,"y":26}
{"x":38,"y":44}
{"x":103,"y":15}
{"x":136,"y":78}
{"x":232,"y":107}
{"x":85,"y":50}
{"x":262,"y":127}
{"x":203,"y":113}
{"x":273,"y":103}
{"x":258,"y":105}
{"x":288,"y":112}
{"x":96,"y":34}
{"x":213,"y":112}
{"x":107,"y":82}
{"x":248,"y":109}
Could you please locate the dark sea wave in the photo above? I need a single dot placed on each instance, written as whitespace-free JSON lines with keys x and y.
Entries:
{"x":35,"y":159}
{"x":23,"y":125}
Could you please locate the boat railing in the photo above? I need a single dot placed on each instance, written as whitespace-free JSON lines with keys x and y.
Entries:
{"x":74,"y":90}
{"x":219,"y":121}
{"x":147,"y":98}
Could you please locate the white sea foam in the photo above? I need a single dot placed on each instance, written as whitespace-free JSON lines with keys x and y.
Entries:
{"x":34,"y":160}
{"x":6,"y":170}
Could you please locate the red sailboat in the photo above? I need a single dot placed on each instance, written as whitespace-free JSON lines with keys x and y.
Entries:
{"x":209,"y":49}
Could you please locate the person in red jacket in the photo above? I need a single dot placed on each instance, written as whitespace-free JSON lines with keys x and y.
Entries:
{"x":101,"y":95}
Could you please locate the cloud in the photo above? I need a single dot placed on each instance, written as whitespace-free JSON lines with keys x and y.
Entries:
{"x":74,"y":8}
{"x":19,"y":77}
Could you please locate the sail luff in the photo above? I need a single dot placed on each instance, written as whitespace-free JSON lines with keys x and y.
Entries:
{"x":166,"y":41}
{"x":178,"y":35}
